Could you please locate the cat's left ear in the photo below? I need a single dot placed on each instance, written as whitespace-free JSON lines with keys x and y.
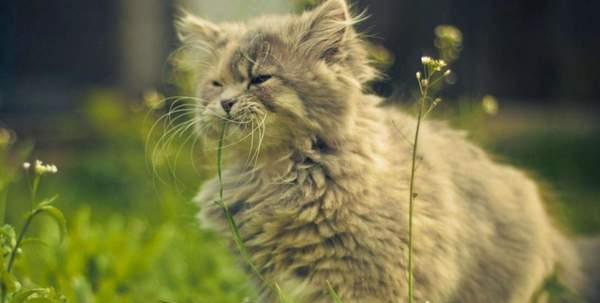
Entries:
{"x":195,"y":30}
{"x":327,"y":28}
{"x":199,"y":38}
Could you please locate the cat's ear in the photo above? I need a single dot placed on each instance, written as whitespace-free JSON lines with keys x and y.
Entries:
{"x":194,"y":30}
{"x":328,"y":32}
{"x":327,"y":28}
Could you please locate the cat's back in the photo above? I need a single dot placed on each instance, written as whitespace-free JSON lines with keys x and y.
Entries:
{"x":452,"y":171}
{"x":485,"y":215}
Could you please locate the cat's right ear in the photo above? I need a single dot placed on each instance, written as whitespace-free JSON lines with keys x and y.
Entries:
{"x":194,"y":30}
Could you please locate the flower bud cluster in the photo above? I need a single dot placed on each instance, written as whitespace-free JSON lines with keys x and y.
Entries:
{"x":40,"y":168}
{"x":433,"y":64}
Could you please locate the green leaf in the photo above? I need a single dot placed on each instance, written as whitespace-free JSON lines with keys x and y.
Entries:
{"x":33,"y":241}
{"x":48,"y":201}
{"x":21,"y":296}
{"x":58,"y":217}
{"x":41,"y":300}
{"x":38,"y":295}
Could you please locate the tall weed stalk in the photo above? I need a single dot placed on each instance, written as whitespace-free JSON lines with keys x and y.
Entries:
{"x":430,"y":79}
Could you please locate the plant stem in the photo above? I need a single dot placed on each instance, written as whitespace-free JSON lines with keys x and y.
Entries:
{"x":3,"y":197}
{"x":233,"y":226}
{"x":34,"y":188}
{"x":237,"y":238}
{"x":412,"y":196}
{"x":13,"y":253}
{"x":220,"y":161}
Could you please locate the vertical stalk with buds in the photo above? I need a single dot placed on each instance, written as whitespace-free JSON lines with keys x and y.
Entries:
{"x":37,"y":170}
{"x":433,"y":72}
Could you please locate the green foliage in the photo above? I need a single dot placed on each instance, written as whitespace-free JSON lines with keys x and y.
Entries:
{"x":128,"y":260}
{"x":553,"y":290}
{"x":11,"y":288}
{"x":132,"y":233}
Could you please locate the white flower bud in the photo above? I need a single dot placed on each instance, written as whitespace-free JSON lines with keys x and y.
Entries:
{"x":40,"y":168}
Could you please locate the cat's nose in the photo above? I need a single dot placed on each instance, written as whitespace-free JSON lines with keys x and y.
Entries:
{"x":227,"y":104}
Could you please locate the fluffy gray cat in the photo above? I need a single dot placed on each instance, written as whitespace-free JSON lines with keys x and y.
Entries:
{"x":317,"y":175}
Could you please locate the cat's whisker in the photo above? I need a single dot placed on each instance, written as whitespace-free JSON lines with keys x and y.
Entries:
{"x":191,"y":134}
{"x":167,"y":126}
{"x":262,"y":131}
{"x":167,"y":116}
{"x":251,"y":143}
{"x":165,"y":140}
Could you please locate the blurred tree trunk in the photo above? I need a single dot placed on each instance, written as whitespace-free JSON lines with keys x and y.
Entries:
{"x":144,"y":43}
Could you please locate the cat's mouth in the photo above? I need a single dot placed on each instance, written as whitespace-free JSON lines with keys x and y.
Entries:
{"x":236,"y":125}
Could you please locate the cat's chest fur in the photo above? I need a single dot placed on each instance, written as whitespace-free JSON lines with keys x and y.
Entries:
{"x":305,"y":223}
{"x":291,"y":216}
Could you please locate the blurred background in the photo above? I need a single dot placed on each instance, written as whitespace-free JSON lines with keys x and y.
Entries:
{"x":80,"y":80}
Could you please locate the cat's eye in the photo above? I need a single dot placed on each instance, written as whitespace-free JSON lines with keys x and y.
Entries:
{"x":216,"y":83}
{"x":260,"y":79}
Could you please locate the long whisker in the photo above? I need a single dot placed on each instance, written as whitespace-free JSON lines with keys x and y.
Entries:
{"x":165,"y":141}
{"x":262,"y":131}
{"x":191,"y":135}
{"x":172,"y":129}
{"x":251,"y":143}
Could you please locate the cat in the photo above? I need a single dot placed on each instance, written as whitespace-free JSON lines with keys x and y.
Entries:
{"x":316,"y":174}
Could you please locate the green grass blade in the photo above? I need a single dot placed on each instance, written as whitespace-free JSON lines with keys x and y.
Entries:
{"x":230,"y":220}
{"x":57,"y":216}
{"x":333,"y":294}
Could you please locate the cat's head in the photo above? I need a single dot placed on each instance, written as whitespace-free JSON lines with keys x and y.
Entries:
{"x":277,"y":78}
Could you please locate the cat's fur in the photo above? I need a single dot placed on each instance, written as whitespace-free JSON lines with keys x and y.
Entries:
{"x":317,"y":175}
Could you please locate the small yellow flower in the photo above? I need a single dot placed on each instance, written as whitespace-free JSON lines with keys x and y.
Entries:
{"x":6,"y":137}
{"x":153,"y":99}
{"x":26,"y":166}
{"x":489,"y":105}
{"x":449,"y":33}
